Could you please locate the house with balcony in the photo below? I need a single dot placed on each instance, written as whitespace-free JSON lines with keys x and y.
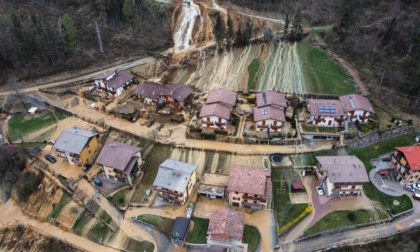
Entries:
{"x":226,"y":228}
{"x":216,"y":112}
{"x":176,"y":95}
{"x":77,"y":146}
{"x":120,"y":161}
{"x":269,"y":111}
{"x":175,"y":181}
{"x":406,"y":160}
{"x":357,"y":108}
{"x":341,"y":175}
{"x":326,"y":112}
{"x":113,"y":82}
{"x":249,"y":187}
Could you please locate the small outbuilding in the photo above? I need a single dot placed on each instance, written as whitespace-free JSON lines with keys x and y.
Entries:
{"x":33,"y":110}
{"x":179,"y":230}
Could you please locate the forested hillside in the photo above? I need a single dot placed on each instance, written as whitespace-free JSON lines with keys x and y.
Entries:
{"x":39,"y":37}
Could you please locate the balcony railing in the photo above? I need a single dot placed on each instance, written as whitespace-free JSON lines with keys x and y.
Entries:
{"x":164,"y":190}
{"x":165,"y":197}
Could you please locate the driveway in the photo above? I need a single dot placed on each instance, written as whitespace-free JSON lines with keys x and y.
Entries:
{"x":386,"y":185}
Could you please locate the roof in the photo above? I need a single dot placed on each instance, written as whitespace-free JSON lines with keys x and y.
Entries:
{"x":114,"y":79}
{"x":343,"y":169}
{"x":180,"y":227}
{"x":216,"y":109}
{"x":268,"y":112}
{"x":179,"y":91}
{"x":356,"y":102}
{"x":412,"y":155}
{"x":252,"y":180}
{"x":326,"y":107}
{"x":271,"y":98}
{"x":118,"y":156}
{"x":225,"y":224}
{"x":103,"y":75}
{"x":10,"y":148}
{"x":222,"y":96}
{"x":73,"y":140}
{"x":32,"y":109}
{"x":297,"y":185}
{"x":155,"y":90}
{"x":174,"y":175}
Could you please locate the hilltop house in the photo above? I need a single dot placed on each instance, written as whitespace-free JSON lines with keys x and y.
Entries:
{"x":226,"y":228}
{"x":357,"y":107}
{"x":217,"y":111}
{"x":341,"y":175}
{"x":406,"y":161}
{"x":325,"y":112}
{"x":175,"y":181}
{"x":77,"y":146}
{"x":120,"y":161}
{"x":176,"y":95}
{"x":249,"y":187}
{"x":269,"y":111}
{"x":114,"y":82}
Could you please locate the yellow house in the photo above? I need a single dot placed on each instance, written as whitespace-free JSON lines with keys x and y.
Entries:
{"x":77,"y":146}
{"x":175,"y":181}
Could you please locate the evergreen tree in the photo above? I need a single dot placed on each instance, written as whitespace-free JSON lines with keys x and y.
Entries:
{"x":220,"y":30}
{"x":69,"y":31}
{"x":229,"y":33}
{"x":128,"y":11}
{"x":297,"y":31}
{"x":286,"y":26}
{"x":238,"y":38}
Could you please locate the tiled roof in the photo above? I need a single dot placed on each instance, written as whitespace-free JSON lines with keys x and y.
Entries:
{"x":174,"y":175}
{"x":155,"y":90}
{"x":268,"y":112}
{"x":119,"y":156}
{"x":225,"y":224}
{"x":316,"y":107}
{"x":412,"y":154}
{"x":356,"y":102}
{"x":73,"y":140}
{"x":271,"y":98}
{"x":179,"y":91}
{"x":252,"y":180}
{"x":118,"y":79}
{"x":222,"y":96}
{"x":344,"y":169}
{"x":216,"y":109}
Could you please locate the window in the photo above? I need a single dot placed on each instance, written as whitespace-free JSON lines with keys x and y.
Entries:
{"x":236,"y":192}
{"x":255,"y":202}
{"x":264,"y":111}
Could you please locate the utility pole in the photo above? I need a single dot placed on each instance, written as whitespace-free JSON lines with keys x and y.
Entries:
{"x":382,"y":77}
{"x":98,"y":32}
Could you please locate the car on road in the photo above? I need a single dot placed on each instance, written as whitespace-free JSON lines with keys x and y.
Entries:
{"x":86,"y":168}
{"x":97,"y":182}
{"x":416,"y":186}
{"x":50,"y":158}
{"x":416,"y":196}
{"x":319,"y":190}
{"x":409,"y":188}
{"x":149,"y":123}
{"x":159,"y":127}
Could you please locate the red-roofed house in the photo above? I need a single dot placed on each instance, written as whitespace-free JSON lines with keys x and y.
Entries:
{"x":406,"y":161}
{"x":357,"y":107}
{"x":269,"y":112}
{"x":114,"y":82}
{"x":325,"y":112}
{"x":226,"y":228}
{"x":216,"y":112}
{"x":249,"y":186}
{"x":222,"y":96}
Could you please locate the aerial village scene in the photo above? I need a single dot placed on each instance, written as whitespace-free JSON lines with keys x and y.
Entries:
{"x":271,"y":145}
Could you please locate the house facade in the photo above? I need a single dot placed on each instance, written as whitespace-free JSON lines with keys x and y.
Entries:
{"x":341,"y":175}
{"x":226,"y":228}
{"x":406,"y":160}
{"x":120,"y":161}
{"x":357,"y":108}
{"x":325,"y":112}
{"x":249,"y":187}
{"x":269,"y":111}
{"x":114,"y":83}
{"x":77,"y":146}
{"x":215,"y":115}
{"x":175,"y":181}
{"x":152,"y":93}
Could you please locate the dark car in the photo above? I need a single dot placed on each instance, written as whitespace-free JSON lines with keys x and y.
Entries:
{"x":409,"y":188}
{"x":50,"y":158}
{"x":159,"y":127}
{"x":97,"y":182}
{"x":86,"y":168}
{"x":149,"y":123}
{"x":416,"y":196}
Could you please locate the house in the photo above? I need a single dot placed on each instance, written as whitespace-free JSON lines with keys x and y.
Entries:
{"x":357,"y":107}
{"x":113,"y":82}
{"x":341,"y":175}
{"x":213,"y":185}
{"x":177,"y":95}
{"x":179,"y":230}
{"x":269,"y":111}
{"x":221,"y":95}
{"x":271,"y":98}
{"x":249,"y":187}
{"x":175,"y":181}
{"x":325,"y":112}
{"x":215,"y":115}
{"x":154,"y":93}
{"x":120,"y":161}
{"x":77,"y":146}
{"x":406,"y":161}
{"x":226,"y":228}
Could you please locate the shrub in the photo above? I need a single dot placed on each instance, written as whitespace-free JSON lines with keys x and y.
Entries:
{"x":289,"y":134}
{"x":221,"y":132}
{"x":28,"y":185}
{"x":351,"y":216}
{"x":208,"y":135}
{"x":410,"y":122}
{"x":389,"y":125}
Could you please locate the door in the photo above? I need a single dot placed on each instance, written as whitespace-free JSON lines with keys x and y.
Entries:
{"x":329,"y":122}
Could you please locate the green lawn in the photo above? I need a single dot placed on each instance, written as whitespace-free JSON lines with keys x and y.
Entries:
{"x":65,"y":199}
{"x":119,"y":198}
{"x":105,"y":217}
{"x":138,"y":246}
{"x":81,"y":223}
{"x":22,"y":123}
{"x":251,"y":237}
{"x":340,"y":219}
{"x":160,"y":222}
{"x":100,"y":231}
{"x":252,"y":71}
{"x":199,"y":232}
{"x":321,"y":73}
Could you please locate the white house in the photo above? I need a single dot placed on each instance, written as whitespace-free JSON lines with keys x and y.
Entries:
{"x":215,"y":115}
{"x":114,"y":82}
{"x":357,"y":107}
{"x":269,"y":111}
{"x":325,"y":112}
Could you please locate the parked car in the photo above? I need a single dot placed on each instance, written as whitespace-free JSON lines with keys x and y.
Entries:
{"x":149,"y":123}
{"x":416,"y":196}
{"x":50,"y":158}
{"x":86,"y":168}
{"x":319,"y":190}
{"x":409,"y":188}
{"x":97,"y":182}
{"x":159,"y":127}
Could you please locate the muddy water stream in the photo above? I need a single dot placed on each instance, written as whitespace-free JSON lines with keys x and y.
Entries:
{"x":183,"y":34}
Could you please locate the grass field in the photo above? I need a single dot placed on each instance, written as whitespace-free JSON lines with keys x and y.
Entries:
{"x":164,"y":224}
{"x":251,"y":237}
{"x":199,"y":232}
{"x":138,"y":246}
{"x":65,"y":199}
{"x":252,"y":71}
{"x":321,"y":73}
{"x":119,"y":198}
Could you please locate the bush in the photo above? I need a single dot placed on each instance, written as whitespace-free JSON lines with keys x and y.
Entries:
{"x":289,"y":134}
{"x":389,"y":125}
{"x":221,"y":132}
{"x":28,"y":185}
{"x":351,"y":216}
{"x":205,"y":135}
{"x":307,"y":211}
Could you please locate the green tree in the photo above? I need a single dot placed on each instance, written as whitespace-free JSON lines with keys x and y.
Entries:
{"x":229,"y":32}
{"x":286,"y":26}
{"x":69,"y":31}
{"x":220,"y":30}
{"x":238,"y":38}
{"x":297,"y":30}
{"x":128,"y":11}
{"x":389,"y":34}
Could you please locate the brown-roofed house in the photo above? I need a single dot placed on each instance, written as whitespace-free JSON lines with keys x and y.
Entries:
{"x":215,"y":115}
{"x":175,"y":94}
{"x":326,"y":112}
{"x":249,"y":186}
{"x":120,"y":161}
{"x":406,"y":161}
{"x":115,"y":82}
{"x":357,"y":107}
{"x":271,"y":98}
{"x":268,"y":117}
{"x":341,"y":175}
{"x":222,"y":96}
{"x":226,"y":228}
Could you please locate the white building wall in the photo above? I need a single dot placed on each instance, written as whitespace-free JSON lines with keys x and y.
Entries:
{"x":214,"y":120}
{"x":269,"y":123}
{"x":358,"y":114}
{"x":325,"y":124}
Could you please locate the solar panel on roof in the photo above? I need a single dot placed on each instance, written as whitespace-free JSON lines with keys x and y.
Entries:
{"x":264,"y":98}
{"x":351,"y":102}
